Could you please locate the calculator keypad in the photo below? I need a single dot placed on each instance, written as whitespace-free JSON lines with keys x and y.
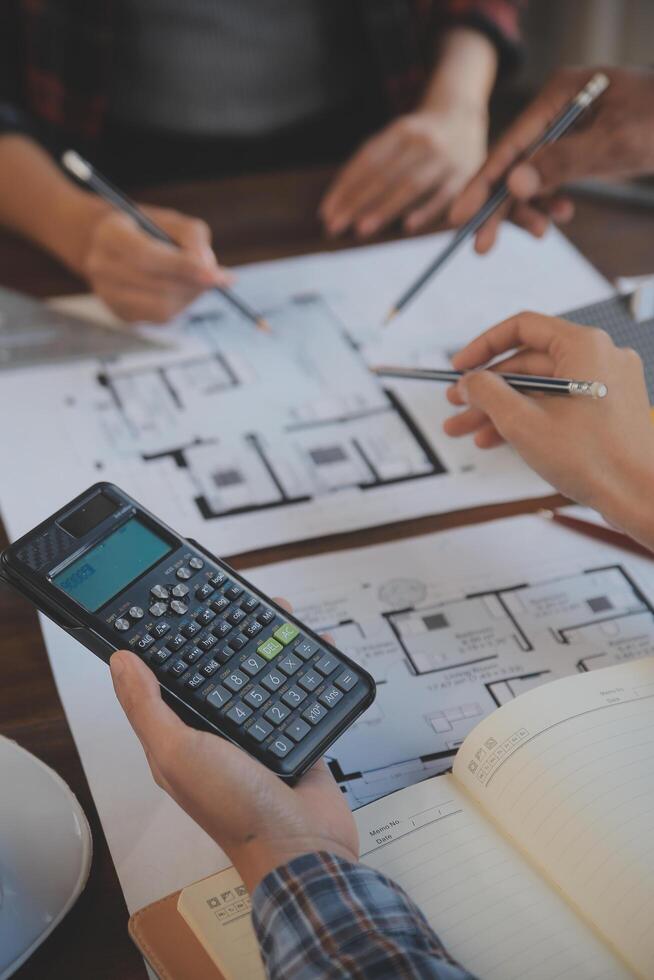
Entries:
{"x":294,"y":696}
{"x":273,"y":680}
{"x":310,"y":680}
{"x":192,"y":655}
{"x":204,"y":617}
{"x":281,"y":746}
{"x":259,"y":730}
{"x":252,"y":664}
{"x":219,"y":697}
{"x":314,"y":713}
{"x":289,"y":664}
{"x":158,"y":657}
{"x":207,"y":642}
{"x":330,"y":697}
{"x":239,"y":662}
{"x":236,"y":680}
{"x":276,"y":713}
{"x":239,"y":713}
{"x":297,"y":730}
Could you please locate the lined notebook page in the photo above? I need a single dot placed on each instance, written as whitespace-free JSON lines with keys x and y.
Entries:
{"x":489,"y":907}
{"x":218,"y":910}
{"x":568,"y":771}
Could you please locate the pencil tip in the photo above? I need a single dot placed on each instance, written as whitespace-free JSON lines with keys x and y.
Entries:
{"x":392,"y":313}
{"x":263,"y":325}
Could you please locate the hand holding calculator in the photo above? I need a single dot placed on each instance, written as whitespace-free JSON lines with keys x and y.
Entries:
{"x":228,"y":659}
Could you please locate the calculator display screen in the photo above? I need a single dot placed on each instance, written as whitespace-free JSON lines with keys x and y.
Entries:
{"x":112,"y":565}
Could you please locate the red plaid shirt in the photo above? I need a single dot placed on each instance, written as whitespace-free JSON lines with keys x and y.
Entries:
{"x":56,"y":55}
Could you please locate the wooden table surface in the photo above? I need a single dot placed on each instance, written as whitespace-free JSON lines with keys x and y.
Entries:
{"x":253,"y":218}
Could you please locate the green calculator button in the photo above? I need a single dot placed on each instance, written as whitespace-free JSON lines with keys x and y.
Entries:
{"x":269,"y":648}
{"x":286,"y":633}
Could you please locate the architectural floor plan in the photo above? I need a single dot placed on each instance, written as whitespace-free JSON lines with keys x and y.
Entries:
{"x":243,"y":439}
{"x":261,"y":422}
{"x":446,"y":650}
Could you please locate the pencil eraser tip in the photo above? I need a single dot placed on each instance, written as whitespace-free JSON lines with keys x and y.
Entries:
{"x":73,"y":162}
{"x":598,"y":84}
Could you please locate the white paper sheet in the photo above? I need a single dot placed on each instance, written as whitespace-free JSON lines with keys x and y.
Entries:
{"x":494,"y":914}
{"x":569,"y":777}
{"x":418,"y":720}
{"x":245,"y":440}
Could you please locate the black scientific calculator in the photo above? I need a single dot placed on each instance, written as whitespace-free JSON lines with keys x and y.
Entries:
{"x":228,"y":659}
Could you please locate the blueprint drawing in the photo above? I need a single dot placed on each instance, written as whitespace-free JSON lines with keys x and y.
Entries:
{"x":455,"y":624}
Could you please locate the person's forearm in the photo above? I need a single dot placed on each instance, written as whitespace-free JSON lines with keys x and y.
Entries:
{"x":39,"y":202}
{"x":464,"y":72}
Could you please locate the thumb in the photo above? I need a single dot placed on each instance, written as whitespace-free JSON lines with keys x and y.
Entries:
{"x":507,"y":409}
{"x":567,"y":160}
{"x":139,"y":694}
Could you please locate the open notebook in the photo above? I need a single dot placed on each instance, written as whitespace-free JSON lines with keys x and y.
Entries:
{"x":533,"y":859}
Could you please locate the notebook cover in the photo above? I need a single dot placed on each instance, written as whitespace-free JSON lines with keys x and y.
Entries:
{"x":168,"y":944}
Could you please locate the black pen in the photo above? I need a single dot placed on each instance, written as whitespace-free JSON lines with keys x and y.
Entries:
{"x":88,"y":175}
{"x":568,"y":115}
{"x":521,"y":382}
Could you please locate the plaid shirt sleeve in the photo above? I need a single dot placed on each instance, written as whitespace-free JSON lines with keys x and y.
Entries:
{"x":321,"y":916}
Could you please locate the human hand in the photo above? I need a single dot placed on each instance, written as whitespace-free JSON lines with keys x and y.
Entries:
{"x":409,"y":171}
{"x":614,"y":138}
{"x":141,"y":278}
{"x":258,"y":820}
{"x":599,"y":452}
